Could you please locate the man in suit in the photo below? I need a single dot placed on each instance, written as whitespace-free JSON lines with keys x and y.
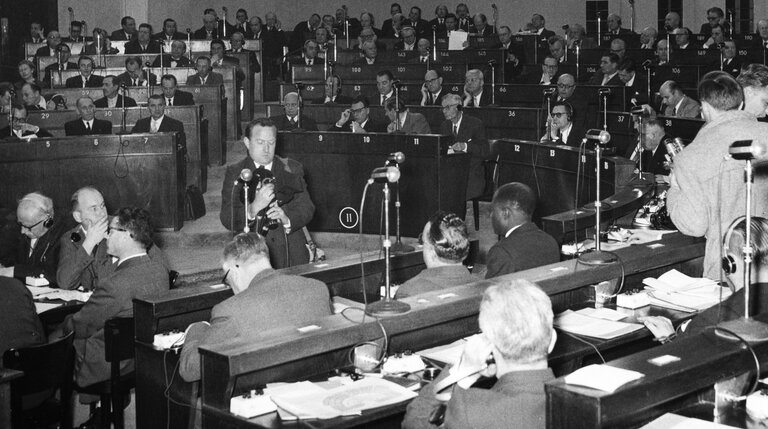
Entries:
{"x":762,"y":31}
{"x":538,"y":24}
{"x":388,"y":26}
{"x":524,"y":245}
{"x":648,"y":38}
{"x":419,"y":25}
{"x":651,"y":158}
{"x":672,"y":21}
{"x":51,"y":43}
{"x":86,"y":124}
{"x":563,"y":131}
{"x":408,"y":41}
{"x":33,"y":100}
{"x":403,"y":120}
{"x":662,"y":53}
{"x":65,"y":54}
{"x":86,"y":78}
{"x":469,"y":137}
{"x":100,"y":41}
{"x":515,"y":57}
{"x":385,"y":85}
{"x":619,"y":47}
{"x":21,"y":326}
{"x":474,"y":94}
{"x":716,"y":39}
{"x":324,"y":45}
{"x":209,"y":30}
{"x":264,"y":299}
{"x":370,"y":53}
{"x":134,"y":74}
{"x":715,"y":16}
{"x":637,"y":92}
{"x":83,"y":257}
{"x":424,"y":48}
{"x":219,"y":57}
{"x":169,"y":33}
{"x":683,"y":39}
{"x":731,"y":64}
{"x":517,"y":331}
{"x":463,"y":18}
{"x":304,"y":31}
{"x":357,"y":120}
{"x":614,"y":25}
{"x":204,"y":75}
{"x":143,"y":44}
{"x":32,"y":248}
{"x":20,"y":128}
{"x":677,"y":103}
{"x":432,"y":92}
{"x":566,"y":87}
{"x":446,"y":246}
{"x":754,"y":80}
{"x":548,"y":75}
{"x":238,"y":42}
{"x":557,"y":48}
{"x":159,"y":122}
{"x":176,"y":58}
{"x":577,"y":36}
{"x":481,"y":26}
{"x":308,"y":55}
{"x":333,"y":93}
{"x":291,"y":120}
{"x":136,"y":275}
{"x":438,"y":24}
{"x":173,"y":96}
{"x":127,"y":30}
{"x":241,"y":24}
{"x":280,"y":209}
{"x":274,"y":40}
{"x":36,"y":33}
{"x":608,"y":75}
{"x":112,"y":98}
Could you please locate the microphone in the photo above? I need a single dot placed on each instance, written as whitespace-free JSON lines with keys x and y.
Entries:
{"x":491,"y":63}
{"x":604,"y":91}
{"x":147,"y":64}
{"x":386,"y":174}
{"x":245,"y":175}
{"x":550,"y":91}
{"x":396,"y":83}
{"x":647,"y":64}
{"x":189,"y":30}
{"x":749,"y":149}
{"x":566,"y":27}
{"x":396,"y":157}
{"x":600,"y":136}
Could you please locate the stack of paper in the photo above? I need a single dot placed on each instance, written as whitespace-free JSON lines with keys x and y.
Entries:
{"x":62,"y":294}
{"x":602,"y":377}
{"x":680,"y":292}
{"x":597,"y":323}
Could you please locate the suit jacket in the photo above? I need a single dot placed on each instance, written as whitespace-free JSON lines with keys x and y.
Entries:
{"x":45,"y":51}
{"x":5,"y":133}
{"x":387,"y":31}
{"x":273,"y":300}
{"x":422,"y":28}
{"x":182,"y":62}
{"x":291,"y":189}
{"x":300,"y":60}
{"x":183,"y":98}
{"x":15,"y":252}
{"x":436,"y":278}
{"x":535,"y":78}
{"x":487,"y":31}
{"x":436,"y":101}
{"x":689,"y":108}
{"x":243,"y":28}
{"x":90,"y":49}
{"x":526,"y":247}
{"x":400,"y":45}
{"x":167,"y":125}
{"x":485,"y":99}
{"x":546,"y":34}
{"x":581,"y":111}
{"x":213,"y":79}
{"x":18,"y":317}
{"x":201,"y":34}
{"x":574,"y":136}
{"x":142,"y":81}
{"x":439,"y":28}
{"x":101,"y":103}
{"x":654,"y":162}
{"x":340,"y":99}
{"x":732,"y":67}
{"x":77,"y":127}
{"x":93,"y":81}
{"x":120,"y":35}
{"x":466,"y":26}
{"x":134,"y":48}
{"x":274,"y":40}
{"x":415,"y":123}
{"x":176,"y":36}
{"x":252,"y":60}
{"x":638,"y":91}
{"x":472,"y":132}
{"x":282,"y":123}
{"x":597,"y":79}
{"x":77,"y":268}
{"x":113,"y":297}
{"x":370,"y":126}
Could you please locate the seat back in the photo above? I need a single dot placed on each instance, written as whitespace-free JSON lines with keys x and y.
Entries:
{"x":119,"y":339}
{"x":52,"y":318}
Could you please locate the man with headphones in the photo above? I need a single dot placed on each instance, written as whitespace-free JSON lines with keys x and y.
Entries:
{"x":446,"y":246}
{"x":563,"y":130}
{"x":32,"y":249}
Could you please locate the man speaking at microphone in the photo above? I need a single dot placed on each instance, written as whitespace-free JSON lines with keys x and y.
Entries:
{"x":285,"y":201}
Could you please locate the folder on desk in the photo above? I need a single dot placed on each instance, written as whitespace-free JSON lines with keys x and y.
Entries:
{"x":581,"y":323}
{"x":680,"y":292}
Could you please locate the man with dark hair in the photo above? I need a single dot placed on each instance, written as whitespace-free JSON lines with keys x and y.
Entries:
{"x":524,"y":245}
{"x":716,"y":39}
{"x":388,"y":26}
{"x":468,"y":137}
{"x":143,"y":44}
{"x":86,"y":78}
{"x":731,"y":64}
{"x":308,"y":55}
{"x":677,"y":103}
{"x":134,"y":74}
{"x":204,"y":75}
{"x":169,"y":32}
{"x":438,"y":24}
{"x":20,"y":128}
{"x":538,"y":24}
{"x":112,"y":99}
{"x":637,"y":93}
{"x":516,"y":321}
{"x":65,"y":64}
{"x":715,"y":16}
{"x":75,"y":33}
{"x":357,"y":120}
{"x":83,"y":257}
{"x":332,"y":94}
{"x":173,"y":96}
{"x":446,"y":246}
{"x":176,"y":58}
{"x":264,"y":299}
{"x":291,"y":120}
{"x":608,"y":75}
{"x":566,"y":88}
{"x":432,"y":91}
{"x":754,"y":80}
{"x":562,"y":127}
{"x":87,"y":124}
{"x":707,"y":185}
{"x":129,"y":235}
{"x":403,"y":120}
{"x":304,"y":31}
{"x":463,"y":18}
{"x":419,"y":25}
{"x":219,"y":57}
{"x":128,"y":30}
{"x":241,"y":24}
{"x":385,"y":86}
{"x":280,"y":208}
{"x":159,"y":122}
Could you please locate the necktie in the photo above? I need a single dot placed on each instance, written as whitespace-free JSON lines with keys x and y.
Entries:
{"x":170,"y":101}
{"x":636,"y":154}
{"x":88,"y":127}
{"x":153,"y":127}
{"x":423,"y":59}
{"x":455,"y":131}
{"x":134,"y":82}
{"x":292,"y":121}
{"x":85,"y":82}
{"x":383,"y":99}
{"x":309,"y":62}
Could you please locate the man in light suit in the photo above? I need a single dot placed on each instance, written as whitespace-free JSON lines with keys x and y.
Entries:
{"x":474,"y":94}
{"x":406,"y":122}
{"x":264,"y":299}
{"x":87,"y":124}
{"x":677,"y":103}
{"x":204,"y":75}
{"x":136,"y":275}
{"x":524,"y":245}
{"x":291,"y":119}
{"x":468,"y":136}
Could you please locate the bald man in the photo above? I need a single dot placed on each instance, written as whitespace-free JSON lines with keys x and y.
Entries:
{"x":291,"y":120}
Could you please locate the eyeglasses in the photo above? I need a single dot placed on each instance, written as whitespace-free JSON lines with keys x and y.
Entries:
{"x":564,"y":86}
{"x":114,"y":228}
{"x":428,"y":81}
{"x":448,"y":106}
{"x":29,"y":228}
{"x":356,"y":111}
{"x":558,"y":114}
{"x":712,"y":18}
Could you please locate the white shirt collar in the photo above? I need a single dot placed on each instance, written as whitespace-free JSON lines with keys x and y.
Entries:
{"x":511,"y":230}
{"x":157,"y":122}
{"x":266,"y":167}
{"x":120,"y":261}
{"x":631,"y":81}
{"x":565,"y":132}
{"x":677,"y":106}
{"x":457,"y":124}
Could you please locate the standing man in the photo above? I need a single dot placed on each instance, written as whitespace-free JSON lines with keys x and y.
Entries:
{"x":285,"y":201}
{"x":291,"y":120}
{"x":127,"y":30}
{"x":469,"y":137}
{"x":707,"y":189}
{"x":524,"y":245}
{"x":143,"y":44}
{"x":209,"y":30}
{"x":112,"y":98}
{"x":87,"y":124}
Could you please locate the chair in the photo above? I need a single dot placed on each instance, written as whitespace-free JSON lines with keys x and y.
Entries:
{"x":491,"y":183}
{"x":47,"y":368}
{"x":54,"y":317}
{"x":118,"y":347}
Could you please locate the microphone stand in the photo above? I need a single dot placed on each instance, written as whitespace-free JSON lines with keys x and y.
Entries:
{"x":578,"y":57}
{"x":492,"y":65}
{"x":548,"y":128}
{"x":599,"y":31}
{"x":399,"y":246}
{"x":387,"y":306}
{"x":162,"y":60}
{"x":189,"y":43}
{"x":605,"y":110}
{"x":325,"y":64}
{"x":122,"y":122}
{"x":246,"y":228}
{"x":434,"y":44}
{"x":10,"y":110}
{"x":298,"y":86}
{"x":397,"y":107}
{"x":597,"y":257}
{"x":150,"y":86}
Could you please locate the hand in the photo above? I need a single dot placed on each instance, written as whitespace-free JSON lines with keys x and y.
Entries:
{"x":97,"y":231}
{"x":344,"y":116}
{"x":459,"y":147}
{"x":477,"y":352}
{"x":264,"y":197}
{"x":356,"y":128}
{"x":424,"y":90}
{"x":660,"y":326}
{"x":6,"y":272}
{"x":662,"y":179}
{"x":277,"y":212}
{"x":278,"y":24}
{"x":467,"y":98}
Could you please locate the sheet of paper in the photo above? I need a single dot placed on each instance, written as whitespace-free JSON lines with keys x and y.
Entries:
{"x":602,"y":313}
{"x":456,"y":40}
{"x":448,"y":354}
{"x":602,"y":377}
{"x":579,"y":324}
{"x":674,"y":421}
{"x":44,"y":306}
{"x":40,"y":290}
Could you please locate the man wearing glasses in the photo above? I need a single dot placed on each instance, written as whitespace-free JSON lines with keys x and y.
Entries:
{"x":21,"y":129}
{"x":278,"y":207}
{"x":562,"y":130}
{"x":432,"y":91}
{"x":468,"y":137}
{"x":356,"y":119}
{"x":715,"y":16}
{"x":264,"y":299}
{"x":32,"y":249}
{"x":566,"y":86}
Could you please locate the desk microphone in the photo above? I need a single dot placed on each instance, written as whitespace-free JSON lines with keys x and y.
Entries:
{"x":245,"y":175}
{"x":386,"y":174}
{"x":396,"y":157}
{"x":549,"y":91}
{"x":604,"y":91}
{"x":749,"y":149}
{"x":599,"y":136}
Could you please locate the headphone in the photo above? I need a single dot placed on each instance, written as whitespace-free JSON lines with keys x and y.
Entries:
{"x":48,"y":222}
{"x":568,"y":109}
{"x":42,"y":203}
{"x":729,"y":258}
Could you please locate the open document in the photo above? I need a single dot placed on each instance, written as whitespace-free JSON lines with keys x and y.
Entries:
{"x":680,"y":292}
{"x":596,"y":324}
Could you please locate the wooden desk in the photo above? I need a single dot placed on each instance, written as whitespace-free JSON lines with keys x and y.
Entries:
{"x":6,"y":377}
{"x":684,"y":128}
{"x":177,"y":308}
{"x":143,"y":170}
{"x":195,"y":131}
{"x":287,"y":355}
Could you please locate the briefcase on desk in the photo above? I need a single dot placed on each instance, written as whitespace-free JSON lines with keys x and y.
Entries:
{"x":194,"y":204}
